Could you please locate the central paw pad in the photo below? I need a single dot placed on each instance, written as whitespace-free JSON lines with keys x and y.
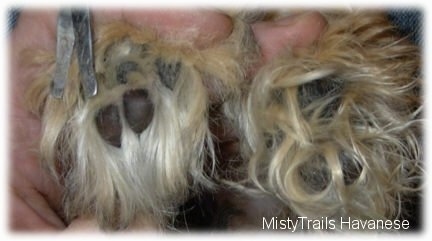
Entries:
{"x":137,"y":112}
{"x":138,"y":109}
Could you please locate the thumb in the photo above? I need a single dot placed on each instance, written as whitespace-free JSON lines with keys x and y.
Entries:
{"x":296,"y":31}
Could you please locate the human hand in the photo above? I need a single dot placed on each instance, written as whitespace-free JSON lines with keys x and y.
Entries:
{"x":35,"y":197}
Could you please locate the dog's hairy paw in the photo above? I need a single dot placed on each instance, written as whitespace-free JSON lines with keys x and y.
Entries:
{"x":333,"y":130}
{"x":136,"y":148}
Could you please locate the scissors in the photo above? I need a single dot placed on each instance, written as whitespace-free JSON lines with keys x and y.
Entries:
{"x":74,"y":31}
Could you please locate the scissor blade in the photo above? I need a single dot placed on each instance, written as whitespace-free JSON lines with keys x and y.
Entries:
{"x":64,"y":49}
{"x":81,"y":23}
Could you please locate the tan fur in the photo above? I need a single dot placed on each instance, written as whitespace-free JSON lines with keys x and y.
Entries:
{"x":294,"y":152}
{"x":153,"y":172}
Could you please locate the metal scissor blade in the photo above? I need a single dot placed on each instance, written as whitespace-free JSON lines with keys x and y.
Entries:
{"x":64,"y":49}
{"x":81,"y":23}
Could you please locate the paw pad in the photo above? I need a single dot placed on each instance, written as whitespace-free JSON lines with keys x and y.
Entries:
{"x":109,"y":125}
{"x":138,"y":109}
{"x":168,"y":72}
{"x":137,"y":112}
{"x":320,"y":90}
{"x":124,"y":68}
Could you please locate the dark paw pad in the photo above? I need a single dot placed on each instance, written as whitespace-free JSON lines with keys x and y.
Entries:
{"x":138,"y":109}
{"x":318,"y":90}
{"x":351,"y":168}
{"x":122,"y":70}
{"x":315,"y":174}
{"x":109,"y":125}
{"x":168,"y":72}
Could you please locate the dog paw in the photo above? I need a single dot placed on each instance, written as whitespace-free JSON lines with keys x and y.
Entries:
{"x":138,"y":146}
{"x":332,"y":124}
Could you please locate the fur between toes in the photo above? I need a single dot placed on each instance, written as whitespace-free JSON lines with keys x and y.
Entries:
{"x":333,"y":130}
{"x":138,"y":147}
{"x":330,"y":131}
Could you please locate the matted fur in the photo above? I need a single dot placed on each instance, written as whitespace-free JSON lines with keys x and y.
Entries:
{"x":333,"y":130}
